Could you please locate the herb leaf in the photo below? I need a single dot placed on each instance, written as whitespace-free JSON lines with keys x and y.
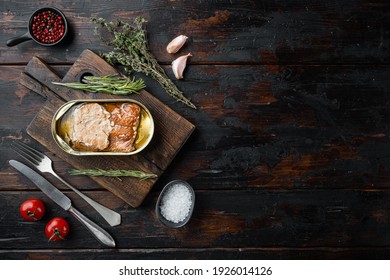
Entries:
{"x":113,"y":84}
{"x":113,"y":173}
{"x":131,"y":50}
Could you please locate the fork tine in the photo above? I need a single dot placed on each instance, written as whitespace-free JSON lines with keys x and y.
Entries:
{"x":26,"y":156}
{"x":32,"y":152}
{"x":26,"y":153}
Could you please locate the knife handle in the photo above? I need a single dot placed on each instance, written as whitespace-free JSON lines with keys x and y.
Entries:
{"x":112,"y":217}
{"x":99,"y":233}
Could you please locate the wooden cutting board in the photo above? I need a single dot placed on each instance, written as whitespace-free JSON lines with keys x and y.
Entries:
{"x":171,"y":130}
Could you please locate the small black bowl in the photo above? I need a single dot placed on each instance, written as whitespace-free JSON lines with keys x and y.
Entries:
{"x":29,"y":34}
{"x":159,"y":200}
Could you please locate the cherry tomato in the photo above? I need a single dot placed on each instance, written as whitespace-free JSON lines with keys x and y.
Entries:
{"x":57,"y":229}
{"x":32,"y":210}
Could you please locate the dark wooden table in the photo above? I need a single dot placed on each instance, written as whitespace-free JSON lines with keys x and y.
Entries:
{"x":290,"y":158}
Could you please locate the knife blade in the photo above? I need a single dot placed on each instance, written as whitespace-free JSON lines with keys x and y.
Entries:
{"x":45,"y":186}
{"x":63,"y":201}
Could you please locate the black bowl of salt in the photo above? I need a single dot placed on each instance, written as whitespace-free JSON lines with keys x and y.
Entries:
{"x":175,"y":204}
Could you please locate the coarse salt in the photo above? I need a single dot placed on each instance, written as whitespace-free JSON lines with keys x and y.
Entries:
{"x":176,"y":203}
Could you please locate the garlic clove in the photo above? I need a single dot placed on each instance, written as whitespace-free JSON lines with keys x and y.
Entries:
{"x":175,"y":45}
{"x":178,"y":66}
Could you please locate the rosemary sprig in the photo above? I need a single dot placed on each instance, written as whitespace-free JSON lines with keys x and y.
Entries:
{"x":113,"y":173}
{"x":131,"y":50}
{"x":113,"y":84}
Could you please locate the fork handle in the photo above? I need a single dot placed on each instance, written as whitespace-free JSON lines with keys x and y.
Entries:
{"x":112,"y":217}
{"x":99,"y":233}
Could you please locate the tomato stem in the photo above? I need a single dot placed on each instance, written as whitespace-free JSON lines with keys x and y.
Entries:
{"x":56,"y":233}
{"x":32,"y":214}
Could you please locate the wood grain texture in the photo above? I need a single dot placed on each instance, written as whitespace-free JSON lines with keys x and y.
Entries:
{"x":297,"y":126}
{"x":265,"y":32}
{"x":172,"y":130}
{"x":201,"y":254}
{"x":221,"y":219}
{"x":290,"y":158}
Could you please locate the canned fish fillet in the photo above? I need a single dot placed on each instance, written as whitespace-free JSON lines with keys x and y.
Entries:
{"x":103,"y":127}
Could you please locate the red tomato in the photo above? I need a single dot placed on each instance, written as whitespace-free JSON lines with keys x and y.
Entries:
{"x":32,"y":210}
{"x":57,"y":229}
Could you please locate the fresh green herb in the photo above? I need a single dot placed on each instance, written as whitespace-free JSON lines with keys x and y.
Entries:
{"x":113,"y":84}
{"x":131,"y":50}
{"x":113,"y":173}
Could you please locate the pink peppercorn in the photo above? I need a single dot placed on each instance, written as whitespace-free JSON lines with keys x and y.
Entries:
{"x":48,"y":27}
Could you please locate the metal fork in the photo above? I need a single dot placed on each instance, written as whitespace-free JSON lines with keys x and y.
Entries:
{"x":44,"y":164}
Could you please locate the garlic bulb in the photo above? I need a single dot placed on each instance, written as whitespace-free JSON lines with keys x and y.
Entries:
{"x":175,"y":45}
{"x":178,"y":65}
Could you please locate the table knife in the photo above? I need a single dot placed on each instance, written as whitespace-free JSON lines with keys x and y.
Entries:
{"x":62,"y":200}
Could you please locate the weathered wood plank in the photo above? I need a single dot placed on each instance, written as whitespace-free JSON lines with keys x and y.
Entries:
{"x":222,"y":219}
{"x":172,"y":130}
{"x":258,"y":126}
{"x":290,"y":158}
{"x":200,"y":254}
{"x":265,"y":32}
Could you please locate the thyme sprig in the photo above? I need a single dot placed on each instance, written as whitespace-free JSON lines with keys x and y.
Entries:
{"x":131,"y":50}
{"x":113,"y":173}
{"x":112,"y":84}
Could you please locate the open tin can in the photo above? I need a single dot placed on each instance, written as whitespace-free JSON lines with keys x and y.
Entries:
{"x":61,"y":124}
